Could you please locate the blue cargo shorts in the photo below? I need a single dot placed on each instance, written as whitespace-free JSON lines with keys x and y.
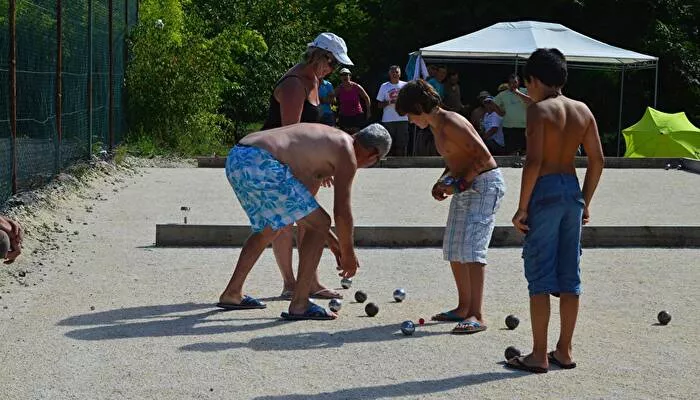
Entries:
{"x":552,"y":247}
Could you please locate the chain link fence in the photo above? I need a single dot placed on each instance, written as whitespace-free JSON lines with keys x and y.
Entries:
{"x":62,"y":98}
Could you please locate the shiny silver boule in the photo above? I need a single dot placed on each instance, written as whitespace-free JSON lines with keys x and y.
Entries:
{"x":346,"y":283}
{"x":335,"y":305}
{"x":399,"y":295}
{"x":408,"y":327}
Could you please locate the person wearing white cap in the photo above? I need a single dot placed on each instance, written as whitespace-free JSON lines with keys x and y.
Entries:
{"x":296,"y":99}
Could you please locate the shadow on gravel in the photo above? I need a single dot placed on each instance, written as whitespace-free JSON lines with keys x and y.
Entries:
{"x":162,"y":320}
{"x":314,"y":340}
{"x":401,"y":390}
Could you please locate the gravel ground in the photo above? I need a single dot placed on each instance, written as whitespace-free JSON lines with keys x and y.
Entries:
{"x":99,"y":313}
{"x":402,"y":197}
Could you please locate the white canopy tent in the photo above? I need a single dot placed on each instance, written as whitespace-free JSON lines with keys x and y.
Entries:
{"x":513,"y":42}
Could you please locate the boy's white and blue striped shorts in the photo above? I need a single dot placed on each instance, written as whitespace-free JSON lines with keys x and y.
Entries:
{"x":472,"y":218}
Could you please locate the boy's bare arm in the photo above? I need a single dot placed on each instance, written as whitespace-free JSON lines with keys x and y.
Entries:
{"x":533,"y":161}
{"x":596,"y":160}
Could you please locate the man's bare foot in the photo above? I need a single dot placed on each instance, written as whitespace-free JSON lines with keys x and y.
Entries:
{"x":527,"y":363}
{"x":455,"y":315}
{"x":319,"y":291}
{"x":234,"y":298}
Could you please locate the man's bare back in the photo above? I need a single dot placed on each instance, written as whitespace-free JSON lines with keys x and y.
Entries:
{"x":312,"y":151}
{"x":564,"y":125}
{"x":461,"y":146}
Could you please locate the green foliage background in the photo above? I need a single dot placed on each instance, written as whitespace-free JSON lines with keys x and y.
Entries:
{"x":204,"y":80}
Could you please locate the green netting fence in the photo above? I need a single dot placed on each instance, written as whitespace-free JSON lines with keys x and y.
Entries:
{"x":64,"y":98}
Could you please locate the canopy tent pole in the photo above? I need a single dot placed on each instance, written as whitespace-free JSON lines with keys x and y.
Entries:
{"x":516,"y":64}
{"x":656,"y":81}
{"x":619,"y":118}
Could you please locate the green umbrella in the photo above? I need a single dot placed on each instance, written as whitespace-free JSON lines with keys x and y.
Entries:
{"x":659,"y":134}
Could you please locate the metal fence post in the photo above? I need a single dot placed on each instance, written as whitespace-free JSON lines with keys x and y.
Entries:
{"x":110,"y":114}
{"x":59,"y":81}
{"x":89,"y":80}
{"x":13,"y":89}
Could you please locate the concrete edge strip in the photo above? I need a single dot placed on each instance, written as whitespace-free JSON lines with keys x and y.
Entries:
{"x":691,"y":165}
{"x":503,"y":161}
{"x":180,"y":235}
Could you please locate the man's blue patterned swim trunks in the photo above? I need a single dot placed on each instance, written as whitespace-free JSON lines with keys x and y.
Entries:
{"x":267,"y":190}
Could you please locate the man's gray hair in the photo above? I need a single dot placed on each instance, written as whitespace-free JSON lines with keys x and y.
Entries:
{"x":375,"y":136}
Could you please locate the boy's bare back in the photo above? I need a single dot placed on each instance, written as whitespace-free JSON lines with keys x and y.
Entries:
{"x":556,"y":127}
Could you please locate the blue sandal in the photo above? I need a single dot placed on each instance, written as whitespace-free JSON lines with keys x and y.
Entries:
{"x":247,"y":303}
{"x":314,"y":312}
{"x":447,"y":316}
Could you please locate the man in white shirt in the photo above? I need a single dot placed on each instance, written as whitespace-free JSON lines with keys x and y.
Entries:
{"x":392,"y":121}
{"x":493,"y":129}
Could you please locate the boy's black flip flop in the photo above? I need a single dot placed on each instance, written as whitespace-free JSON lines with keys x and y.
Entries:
{"x":517,"y":363}
{"x":553,"y":360}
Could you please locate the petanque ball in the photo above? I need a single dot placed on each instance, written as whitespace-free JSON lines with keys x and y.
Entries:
{"x":664,"y":318}
{"x":399,"y":295}
{"x":346,"y":283}
{"x":335,"y":305}
{"x":512,"y":352}
{"x":371,"y":309}
{"x":512,"y":322}
{"x":360,"y":296}
{"x":5,"y":245}
{"x":408,"y":327}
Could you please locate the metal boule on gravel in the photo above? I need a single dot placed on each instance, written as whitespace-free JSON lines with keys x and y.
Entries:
{"x":408,"y":327}
{"x":371,"y":309}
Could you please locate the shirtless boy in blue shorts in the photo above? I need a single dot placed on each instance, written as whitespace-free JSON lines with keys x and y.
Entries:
{"x":552,"y":205}
{"x":477,"y":187}
{"x":272,"y":173}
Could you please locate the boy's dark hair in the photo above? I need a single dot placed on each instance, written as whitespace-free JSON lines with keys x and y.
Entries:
{"x":417,"y":97}
{"x":547,"y":65}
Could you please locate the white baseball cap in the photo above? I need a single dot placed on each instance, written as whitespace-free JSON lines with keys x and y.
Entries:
{"x":335,"y":44}
{"x":345,"y":71}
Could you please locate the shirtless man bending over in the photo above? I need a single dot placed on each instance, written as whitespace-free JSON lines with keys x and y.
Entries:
{"x":477,"y":187}
{"x":272,"y":174}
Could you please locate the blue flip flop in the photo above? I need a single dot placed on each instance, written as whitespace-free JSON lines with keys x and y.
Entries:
{"x":447,"y":316}
{"x":247,"y":303}
{"x":314,"y":312}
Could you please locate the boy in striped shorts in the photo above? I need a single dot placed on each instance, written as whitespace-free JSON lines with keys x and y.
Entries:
{"x":477,"y":187}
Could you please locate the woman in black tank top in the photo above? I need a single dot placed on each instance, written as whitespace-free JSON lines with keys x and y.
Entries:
{"x":295,"y":99}
{"x":287,"y":106}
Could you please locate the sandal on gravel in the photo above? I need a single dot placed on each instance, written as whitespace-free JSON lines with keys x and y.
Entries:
{"x":447,"y":316}
{"x":555,"y":361}
{"x":326,"y":294}
{"x":247,"y":303}
{"x":468,"y":327}
{"x":287,"y":294}
{"x":517,"y":363}
{"x":314,"y":312}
